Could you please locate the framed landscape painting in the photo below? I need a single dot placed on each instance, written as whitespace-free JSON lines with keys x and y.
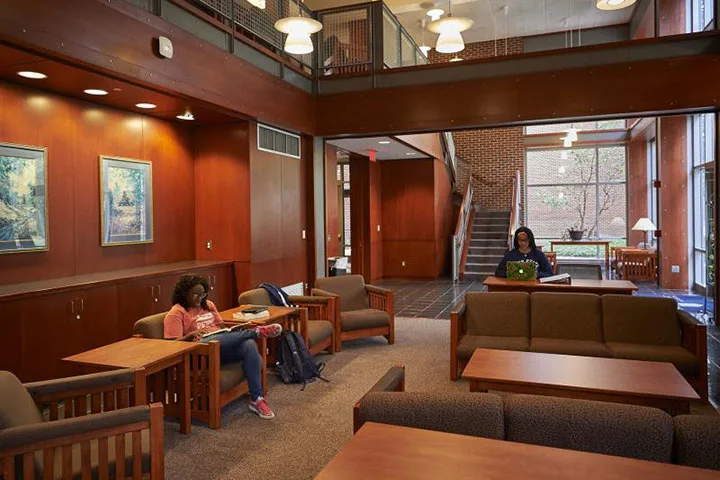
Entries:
{"x":125,"y":201}
{"x":23,"y":199}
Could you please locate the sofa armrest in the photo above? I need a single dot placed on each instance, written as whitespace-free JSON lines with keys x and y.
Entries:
{"x":392,"y":381}
{"x":317,"y":292}
{"x":457,"y":329}
{"x":94,"y":381}
{"x":303,"y":300}
{"x":694,"y":339}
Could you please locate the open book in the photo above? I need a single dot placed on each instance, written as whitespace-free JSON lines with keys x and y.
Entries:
{"x":226,"y":329}
{"x":562,"y":278}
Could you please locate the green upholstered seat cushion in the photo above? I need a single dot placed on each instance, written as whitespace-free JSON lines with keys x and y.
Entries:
{"x":502,"y":314}
{"x":231,"y":374}
{"x":256,"y":296}
{"x":642,"y":320}
{"x":319,"y":330}
{"x":17,"y":407}
{"x":365,"y":318}
{"x":598,"y":427}
{"x":684,"y":361}
{"x":465,"y":413}
{"x":468,"y":344}
{"x":697,"y":442}
{"x":586,"y":348}
{"x":152,"y":326}
{"x":351,"y":289}
{"x":570,"y":316}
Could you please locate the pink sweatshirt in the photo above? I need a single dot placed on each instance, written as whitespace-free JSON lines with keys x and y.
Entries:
{"x":179,"y":322}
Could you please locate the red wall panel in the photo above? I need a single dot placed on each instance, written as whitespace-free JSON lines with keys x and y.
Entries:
{"x":443,"y":217}
{"x":638,"y":182}
{"x":75,"y":134}
{"x":376,"y":220}
{"x":332,"y":227}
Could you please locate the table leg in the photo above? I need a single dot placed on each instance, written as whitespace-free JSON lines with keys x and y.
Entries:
{"x":607,"y":260}
{"x":184,"y":393}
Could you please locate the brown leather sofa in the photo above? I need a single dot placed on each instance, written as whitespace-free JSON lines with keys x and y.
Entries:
{"x":363,"y":310}
{"x":91,"y":421}
{"x":321,"y":317}
{"x":618,"y":326}
{"x":598,"y":427}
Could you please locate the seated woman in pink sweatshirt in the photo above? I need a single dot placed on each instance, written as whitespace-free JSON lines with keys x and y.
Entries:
{"x":193,"y":316}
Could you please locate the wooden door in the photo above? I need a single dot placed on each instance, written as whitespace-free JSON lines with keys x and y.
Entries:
{"x":164,"y":287}
{"x":98,"y":322}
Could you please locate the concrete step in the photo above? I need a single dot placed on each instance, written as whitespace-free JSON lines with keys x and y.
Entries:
{"x":488,"y":236}
{"x":490,"y":228}
{"x":487,"y":252}
{"x":486,"y":268}
{"x":488,"y":243}
{"x":474,"y":276}
{"x":491,"y":223}
{"x":484,"y":259}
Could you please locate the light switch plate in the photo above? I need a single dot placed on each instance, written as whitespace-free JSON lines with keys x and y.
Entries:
{"x":378,"y":228}
{"x":675,"y":269}
{"x":208,"y":245}
{"x":303,"y":234}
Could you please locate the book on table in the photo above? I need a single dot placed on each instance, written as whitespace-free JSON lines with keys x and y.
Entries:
{"x":562,"y":278}
{"x":252,"y":313}
{"x":226,"y":329}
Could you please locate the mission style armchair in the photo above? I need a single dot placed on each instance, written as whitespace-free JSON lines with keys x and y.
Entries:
{"x":362,"y":310}
{"x":212,"y":386}
{"x":319,"y":333}
{"x":91,"y":420}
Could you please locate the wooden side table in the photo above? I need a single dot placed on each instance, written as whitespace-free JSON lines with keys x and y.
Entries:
{"x":156,"y":357}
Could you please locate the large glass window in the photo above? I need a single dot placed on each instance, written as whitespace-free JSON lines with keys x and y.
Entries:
{"x":702,"y":149}
{"x":581,"y":189}
{"x":580,"y":126}
{"x":701,"y":14}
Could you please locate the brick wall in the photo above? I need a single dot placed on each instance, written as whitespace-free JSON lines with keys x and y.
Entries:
{"x":495,"y":154}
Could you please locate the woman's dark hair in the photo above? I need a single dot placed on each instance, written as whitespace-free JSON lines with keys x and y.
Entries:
{"x":530,"y":235}
{"x":183,"y":286}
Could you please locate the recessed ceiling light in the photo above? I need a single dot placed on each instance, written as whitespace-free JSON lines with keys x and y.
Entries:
{"x":95,"y":91}
{"x":33,"y":75}
{"x":411,"y":153}
{"x":186,"y":116}
{"x":145,"y":105}
{"x":384,"y":142}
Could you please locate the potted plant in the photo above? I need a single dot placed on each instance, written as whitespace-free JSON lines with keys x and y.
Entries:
{"x":576,"y":233}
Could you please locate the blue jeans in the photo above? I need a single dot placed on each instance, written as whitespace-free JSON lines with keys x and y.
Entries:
{"x":240,"y":346}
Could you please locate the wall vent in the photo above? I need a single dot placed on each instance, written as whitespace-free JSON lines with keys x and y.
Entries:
{"x":278,"y":141}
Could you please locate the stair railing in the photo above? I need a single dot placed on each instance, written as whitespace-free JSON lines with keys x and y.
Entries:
{"x":514,"y":210}
{"x":459,"y":239}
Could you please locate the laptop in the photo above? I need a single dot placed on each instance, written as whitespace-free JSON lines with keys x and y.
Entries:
{"x":526,"y":270}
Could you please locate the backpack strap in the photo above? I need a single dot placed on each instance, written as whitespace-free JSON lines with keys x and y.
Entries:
{"x":297,"y":361}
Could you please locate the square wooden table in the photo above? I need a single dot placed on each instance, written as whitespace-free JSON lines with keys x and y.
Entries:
{"x":580,"y":285}
{"x":290,"y":318}
{"x":380,"y":451}
{"x":151,"y":354}
{"x":654,"y":384}
{"x":601,"y":243}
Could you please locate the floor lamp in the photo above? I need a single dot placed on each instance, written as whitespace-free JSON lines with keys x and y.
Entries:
{"x":644,"y":225}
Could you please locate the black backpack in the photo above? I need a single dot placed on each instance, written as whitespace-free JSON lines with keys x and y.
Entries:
{"x":277,"y":296}
{"x":294,"y":362}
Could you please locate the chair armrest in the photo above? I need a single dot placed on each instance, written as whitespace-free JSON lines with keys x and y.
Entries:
{"x":378,"y":290}
{"x":323,"y":293}
{"x":101,"y":423}
{"x":392,"y":381}
{"x":460,"y":310}
{"x":81,"y":383}
{"x":307,"y":299}
{"x":694,"y":335}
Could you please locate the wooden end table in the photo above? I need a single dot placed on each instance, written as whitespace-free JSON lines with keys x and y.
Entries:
{"x":151,"y":354}
{"x":637,"y":382}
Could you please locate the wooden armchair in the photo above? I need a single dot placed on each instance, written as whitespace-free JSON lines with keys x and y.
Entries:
{"x":362,"y":310}
{"x":552,"y":259}
{"x":319,"y":333}
{"x":639,"y":265}
{"x":212,"y":386}
{"x":91,"y":423}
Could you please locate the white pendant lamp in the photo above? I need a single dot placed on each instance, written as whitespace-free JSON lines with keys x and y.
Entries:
{"x":450,"y":29}
{"x":424,"y":48}
{"x":572,"y":134}
{"x":298,"y":31}
{"x":257,"y":3}
{"x":613,"y":4}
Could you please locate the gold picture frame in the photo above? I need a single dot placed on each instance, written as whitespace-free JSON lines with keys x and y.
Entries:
{"x":126,"y":203}
{"x":24,"y":225}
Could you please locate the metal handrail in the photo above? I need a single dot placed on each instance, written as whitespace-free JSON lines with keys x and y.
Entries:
{"x":460,"y":236}
{"x":514,"y":209}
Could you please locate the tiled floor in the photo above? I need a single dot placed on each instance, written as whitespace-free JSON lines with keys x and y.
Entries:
{"x":437,"y":298}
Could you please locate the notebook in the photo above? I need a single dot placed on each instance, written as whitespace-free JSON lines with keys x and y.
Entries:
{"x":526,"y":270}
{"x":226,"y":329}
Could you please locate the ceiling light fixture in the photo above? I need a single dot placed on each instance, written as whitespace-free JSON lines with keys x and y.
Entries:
{"x":32,"y":75}
{"x":435,"y":13}
{"x":384,"y":142}
{"x":186,"y":116}
{"x":613,"y":4}
{"x":411,"y":153}
{"x":145,"y":105}
{"x":572,"y":134}
{"x":95,"y":91}
{"x":298,"y":31}
{"x":567,"y":143}
{"x":424,"y":48}
{"x":257,"y":3}
{"x":456,"y":59}
{"x":450,"y":29}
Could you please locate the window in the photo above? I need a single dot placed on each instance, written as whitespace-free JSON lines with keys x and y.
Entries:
{"x":702,"y":150}
{"x":586,"y":191}
{"x":652,"y":177}
{"x":563,"y":127}
{"x":701,"y":14}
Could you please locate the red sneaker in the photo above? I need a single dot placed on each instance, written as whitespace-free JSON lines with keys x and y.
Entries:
{"x":269,"y":331}
{"x":260,"y":407}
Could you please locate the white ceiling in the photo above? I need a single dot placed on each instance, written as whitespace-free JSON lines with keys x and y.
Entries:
{"x":391,"y":151}
{"x":524,"y":17}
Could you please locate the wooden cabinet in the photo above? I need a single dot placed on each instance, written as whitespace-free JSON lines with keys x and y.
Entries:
{"x":11,"y":339}
{"x":221,"y":286}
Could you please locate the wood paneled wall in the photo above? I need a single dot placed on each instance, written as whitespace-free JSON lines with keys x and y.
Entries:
{"x":75,"y":134}
{"x":672,"y":159}
{"x":277,"y":217}
{"x":643,"y":20}
{"x":332,"y":213}
{"x":638,"y":181}
{"x":425,"y":142}
{"x":376,"y":221}
{"x":443,"y":218}
{"x":673,"y":17}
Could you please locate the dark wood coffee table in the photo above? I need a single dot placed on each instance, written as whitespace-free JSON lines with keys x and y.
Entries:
{"x":654,"y":384}
{"x":578,"y":285}
{"x":382,"y":451}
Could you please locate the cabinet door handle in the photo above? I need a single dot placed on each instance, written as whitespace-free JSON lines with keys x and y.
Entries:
{"x":75,"y":313}
{"x":82,"y":305}
{"x":152,"y":291}
{"x":158,"y":293}
{"x":212,"y":282}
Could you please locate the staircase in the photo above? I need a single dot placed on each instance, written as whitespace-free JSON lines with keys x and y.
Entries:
{"x":488,"y":244}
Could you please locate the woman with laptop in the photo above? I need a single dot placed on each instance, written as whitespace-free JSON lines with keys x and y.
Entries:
{"x":524,"y":259}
